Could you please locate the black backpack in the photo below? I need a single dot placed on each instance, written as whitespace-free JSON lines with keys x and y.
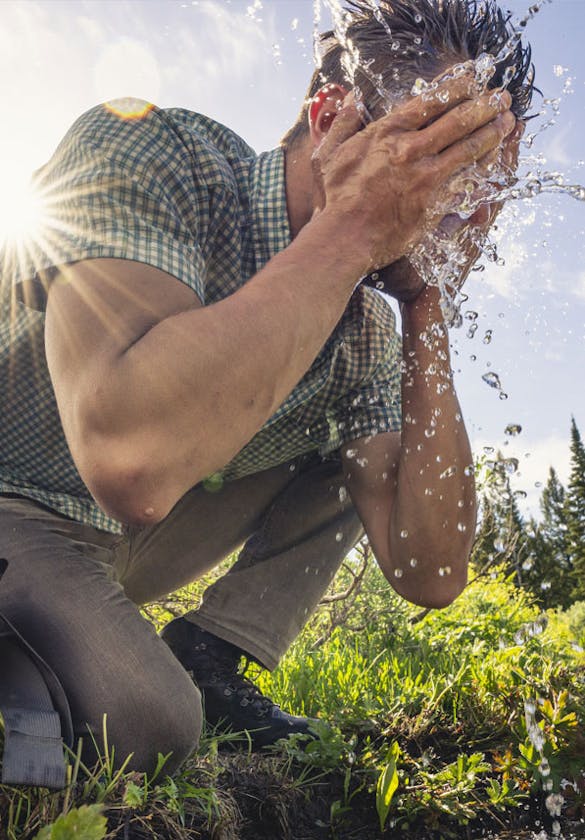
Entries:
{"x":37,"y":718}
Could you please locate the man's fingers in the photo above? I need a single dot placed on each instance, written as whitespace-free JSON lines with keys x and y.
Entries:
{"x":462,"y":121}
{"x":349,"y":119}
{"x":418,"y":111}
{"x":476,"y":146}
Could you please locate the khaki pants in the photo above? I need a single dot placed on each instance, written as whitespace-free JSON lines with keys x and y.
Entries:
{"x":73,"y":592}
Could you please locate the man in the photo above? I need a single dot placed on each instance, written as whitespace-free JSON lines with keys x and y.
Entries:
{"x":191,"y":362}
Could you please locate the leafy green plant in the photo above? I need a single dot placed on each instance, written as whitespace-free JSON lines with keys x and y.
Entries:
{"x":387,"y":784}
{"x":84,"y":823}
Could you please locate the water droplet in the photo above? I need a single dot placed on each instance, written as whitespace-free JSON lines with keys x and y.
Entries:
{"x":510,"y":465}
{"x":444,"y":570}
{"x":404,"y":534}
{"x":513,"y":429}
{"x":492,"y":379}
{"x":398,"y":573}
{"x":420,"y":85}
{"x":484,"y":68}
{"x":342,"y":494}
{"x":554,"y":804}
{"x":449,"y":472}
{"x":487,"y":339}
{"x":429,"y":433}
{"x":461,"y":526}
{"x":413,"y":562}
{"x":339,"y":536}
{"x":350,"y":453}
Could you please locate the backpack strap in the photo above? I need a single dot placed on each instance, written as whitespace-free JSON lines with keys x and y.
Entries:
{"x":36,"y":714}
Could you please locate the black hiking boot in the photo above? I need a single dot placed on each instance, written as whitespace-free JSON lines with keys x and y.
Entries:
{"x":231,"y":700}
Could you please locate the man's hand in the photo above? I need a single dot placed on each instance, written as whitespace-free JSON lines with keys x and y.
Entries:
{"x":381,"y":183}
{"x":497,"y":171}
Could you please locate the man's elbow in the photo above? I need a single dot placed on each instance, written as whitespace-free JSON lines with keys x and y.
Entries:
{"x":439,"y":598}
{"x":127,"y":486}
{"x":437,"y":591}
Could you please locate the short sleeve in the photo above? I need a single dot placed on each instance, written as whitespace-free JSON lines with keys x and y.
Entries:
{"x":118,"y":186}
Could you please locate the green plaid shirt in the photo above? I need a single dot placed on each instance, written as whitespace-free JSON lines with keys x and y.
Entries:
{"x":180,"y":192}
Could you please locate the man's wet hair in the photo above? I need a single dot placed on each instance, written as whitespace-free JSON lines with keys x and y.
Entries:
{"x":396,"y":42}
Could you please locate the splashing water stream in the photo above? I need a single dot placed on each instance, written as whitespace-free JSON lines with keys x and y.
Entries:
{"x":439,"y":255}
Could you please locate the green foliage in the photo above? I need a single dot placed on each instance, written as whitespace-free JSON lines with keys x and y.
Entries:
{"x":575,"y":511}
{"x":387,"y":784}
{"x":467,"y":672}
{"x":84,"y":823}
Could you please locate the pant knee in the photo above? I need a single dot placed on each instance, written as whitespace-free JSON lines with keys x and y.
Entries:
{"x":168,"y":723}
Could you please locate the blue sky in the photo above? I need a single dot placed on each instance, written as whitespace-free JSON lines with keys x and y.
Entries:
{"x":247,"y":64}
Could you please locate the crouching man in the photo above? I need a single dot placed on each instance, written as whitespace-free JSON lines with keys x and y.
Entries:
{"x":191,"y":362}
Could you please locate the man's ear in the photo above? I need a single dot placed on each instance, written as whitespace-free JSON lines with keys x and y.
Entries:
{"x":323,"y":109}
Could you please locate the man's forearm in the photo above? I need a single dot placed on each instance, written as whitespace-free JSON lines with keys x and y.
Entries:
{"x":435,"y":495}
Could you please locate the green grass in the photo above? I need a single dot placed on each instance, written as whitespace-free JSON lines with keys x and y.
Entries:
{"x":429,"y":723}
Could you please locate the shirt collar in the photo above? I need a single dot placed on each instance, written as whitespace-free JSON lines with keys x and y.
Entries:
{"x":270,"y":227}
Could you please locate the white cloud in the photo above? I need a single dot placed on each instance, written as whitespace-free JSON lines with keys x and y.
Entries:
{"x":503,"y":279}
{"x":579,"y":287}
{"x":556,"y":149}
{"x":534,"y":461}
{"x":223,"y":46}
{"x":127,"y":67}
{"x":91,"y":28}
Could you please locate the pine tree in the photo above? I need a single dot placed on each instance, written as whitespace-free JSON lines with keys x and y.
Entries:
{"x":501,"y":538}
{"x":575,"y":512}
{"x":548,"y":568}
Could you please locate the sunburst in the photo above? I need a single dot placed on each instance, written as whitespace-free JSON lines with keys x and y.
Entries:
{"x":21,"y":207}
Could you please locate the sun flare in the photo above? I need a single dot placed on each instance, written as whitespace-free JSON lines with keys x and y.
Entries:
{"x":21,"y":208}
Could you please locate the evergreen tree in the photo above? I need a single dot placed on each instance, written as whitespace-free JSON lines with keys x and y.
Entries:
{"x":575,"y":512}
{"x":548,"y":568}
{"x":501,"y":538}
